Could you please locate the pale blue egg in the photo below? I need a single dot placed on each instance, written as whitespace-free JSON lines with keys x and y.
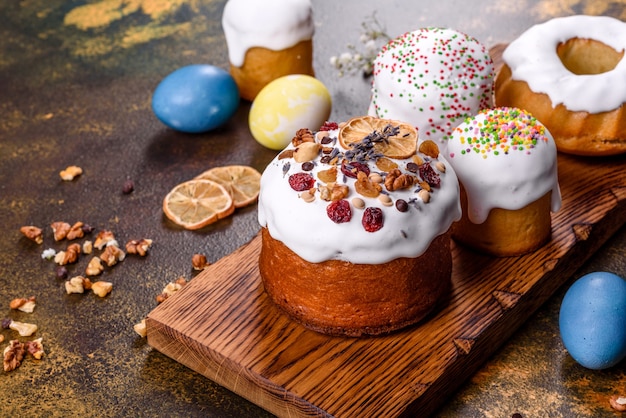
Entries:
{"x":592,"y":320}
{"x":196,"y":98}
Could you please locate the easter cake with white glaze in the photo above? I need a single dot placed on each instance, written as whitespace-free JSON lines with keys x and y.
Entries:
{"x":267,"y":40}
{"x":432,"y":78}
{"x":355,"y":222}
{"x":568,"y":73}
{"x":506,"y":163}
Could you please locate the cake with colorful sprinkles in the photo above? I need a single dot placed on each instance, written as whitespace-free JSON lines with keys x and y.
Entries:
{"x":505,"y":160}
{"x":432,"y":78}
{"x":355,"y":220}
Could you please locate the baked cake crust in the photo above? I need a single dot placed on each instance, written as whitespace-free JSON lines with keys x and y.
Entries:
{"x":340,"y":298}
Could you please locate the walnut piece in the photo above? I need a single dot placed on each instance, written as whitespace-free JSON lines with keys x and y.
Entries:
{"x":395,"y":180}
{"x":171,"y":288}
{"x":60,"y":230}
{"x":32,"y":233}
{"x":140,"y":328}
{"x":101,"y":288}
{"x":69,"y":256}
{"x":23,"y":328}
{"x":199,"y":262}
{"x":333,"y":191}
{"x":138,"y":246}
{"x":35,"y":348}
{"x":13,"y":355}
{"x":23,"y":304}
{"x":76,"y":231}
{"x":103,"y":238}
{"x":112,"y":254}
{"x":302,"y":135}
{"x":71,"y":172}
{"x":94,"y":267}
{"x":87,"y":247}
{"x":75,"y":285}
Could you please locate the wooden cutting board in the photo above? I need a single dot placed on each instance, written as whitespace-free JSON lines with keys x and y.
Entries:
{"x":223,"y":325}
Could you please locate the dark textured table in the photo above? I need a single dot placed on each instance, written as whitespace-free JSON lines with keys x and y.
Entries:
{"x":76,"y":80}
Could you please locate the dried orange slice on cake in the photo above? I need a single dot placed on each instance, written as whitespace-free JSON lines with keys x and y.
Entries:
{"x":241,"y":181}
{"x":197,"y":203}
{"x":392,"y":138}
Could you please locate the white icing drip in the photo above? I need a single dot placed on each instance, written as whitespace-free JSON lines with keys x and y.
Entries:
{"x":307,"y":230}
{"x":411,"y":81}
{"x":533,"y":59}
{"x":271,"y":24}
{"x":508,"y":180}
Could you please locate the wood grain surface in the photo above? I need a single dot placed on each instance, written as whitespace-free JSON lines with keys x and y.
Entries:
{"x":223,"y":326}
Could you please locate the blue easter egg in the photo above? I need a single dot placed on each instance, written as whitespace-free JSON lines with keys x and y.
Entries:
{"x":196,"y":98}
{"x":592,"y":320}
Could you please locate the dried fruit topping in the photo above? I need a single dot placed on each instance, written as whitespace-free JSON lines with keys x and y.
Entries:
{"x":412,"y":167}
{"x":329,"y":126}
{"x":365,"y":186}
{"x":308,"y":166}
{"x":385,"y":164}
{"x":301,"y":181}
{"x":429,"y":148}
{"x":351,"y":169}
{"x":429,"y":175}
{"x":328,"y":176}
{"x":390,"y":138}
{"x":372,"y":219}
{"x":339,"y":211}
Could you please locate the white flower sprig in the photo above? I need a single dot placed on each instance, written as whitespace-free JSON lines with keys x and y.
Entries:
{"x":354,"y":60}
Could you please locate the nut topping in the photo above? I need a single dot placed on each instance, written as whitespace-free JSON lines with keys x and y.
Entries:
{"x":396,"y":180}
{"x":138,"y":246}
{"x":32,"y":233}
{"x":13,"y":355}
{"x":199,"y":262}
{"x":71,"y":172}
{"x":23,"y":304}
{"x":111,"y":255}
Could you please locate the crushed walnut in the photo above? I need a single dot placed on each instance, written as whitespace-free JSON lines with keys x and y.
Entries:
{"x":23,"y":304}
{"x":77,"y":284}
{"x":103,"y":238}
{"x":101,"y":288}
{"x":87,"y":247}
{"x":69,"y":256}
{"x":23,"y":328}
{"x":35,"y":348}
{"x":76,"y":231}
{"x":171,"y":288}
{"x":199,"y":262}
{"x":140,"y":328}
{"x":138,"y":246}
{"x":94,"y":267}
{"x":32,"y":233}
{"x":13,"y":355}
{"x":112,"y":254}
{"x":60,"y":230}
{"x":71,"y":172}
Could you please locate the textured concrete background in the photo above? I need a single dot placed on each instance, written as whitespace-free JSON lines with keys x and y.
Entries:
{"x":76,"y":80}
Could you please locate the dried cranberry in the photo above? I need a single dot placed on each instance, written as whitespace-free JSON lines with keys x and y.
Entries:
{"x":402,"y":205}
{"x":339,"y":211}
{"x":329,"y":126}
{"x":301,"y":181}
{"x":372,"y":219}
{"x":351,"y":169}
{"x":429,"y":175}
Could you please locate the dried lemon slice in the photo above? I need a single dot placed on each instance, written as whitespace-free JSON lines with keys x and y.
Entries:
{"x":241,"y":181}
{"x":197,"y":203}
{"x":391,"y":138}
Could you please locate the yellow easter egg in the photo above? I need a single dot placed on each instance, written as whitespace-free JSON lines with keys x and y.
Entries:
{"x":285,"y":105}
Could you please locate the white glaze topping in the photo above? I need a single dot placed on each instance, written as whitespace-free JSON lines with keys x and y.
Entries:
{"x":432,"y":78}
{"x":533,"y":59}
{"x":305,"y":227}
{"x":271,"y":24}
{"x":505,"y":158}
